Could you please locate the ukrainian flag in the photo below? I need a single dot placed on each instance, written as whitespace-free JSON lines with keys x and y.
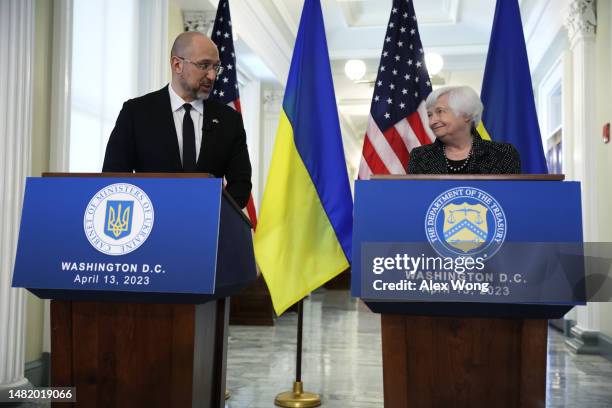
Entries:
{"x":303,"y":237}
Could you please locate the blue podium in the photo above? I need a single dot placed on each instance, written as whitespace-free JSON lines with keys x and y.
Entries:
{"x":464,"y":272}
{"x":139,"y":267}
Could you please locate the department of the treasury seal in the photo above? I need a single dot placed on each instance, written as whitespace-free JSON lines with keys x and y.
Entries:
{"x":118,"y":219}
{"x":465,"y":221}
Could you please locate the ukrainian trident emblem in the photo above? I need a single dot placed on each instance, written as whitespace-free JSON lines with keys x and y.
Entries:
{"x":465,"y":225}
{"x":118,"y":220}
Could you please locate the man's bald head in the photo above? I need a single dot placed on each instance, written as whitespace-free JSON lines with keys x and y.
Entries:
{"x":185,"y":43}
{"x":194,"y":61}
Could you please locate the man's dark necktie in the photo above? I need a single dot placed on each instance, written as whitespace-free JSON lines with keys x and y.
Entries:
{"x":189,"y":150}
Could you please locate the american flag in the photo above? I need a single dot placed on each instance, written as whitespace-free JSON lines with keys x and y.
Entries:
{"x":226,"y":86}
{"x":398,"y":119}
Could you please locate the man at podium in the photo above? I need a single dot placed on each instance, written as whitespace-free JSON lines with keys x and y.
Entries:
{"x":178,"y":129}
{"x":454,"y":112}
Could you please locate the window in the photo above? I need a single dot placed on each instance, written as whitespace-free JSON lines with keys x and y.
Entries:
{"x":103,"y":76}
{"x":551,"y":118}
{"x":119,"y":51}
{"x":553,"y":147}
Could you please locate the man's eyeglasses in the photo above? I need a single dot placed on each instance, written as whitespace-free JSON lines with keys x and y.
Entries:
{"x":204,"y":66}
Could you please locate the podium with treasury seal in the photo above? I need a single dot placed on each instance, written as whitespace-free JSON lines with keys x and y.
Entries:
{"x":138,"y":267}
{"x":465,"y":271}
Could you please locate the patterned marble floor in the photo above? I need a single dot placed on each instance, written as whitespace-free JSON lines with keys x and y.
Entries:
{"x":342,"y":360}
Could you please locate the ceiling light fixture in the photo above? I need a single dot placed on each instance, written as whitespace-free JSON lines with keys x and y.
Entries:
{"x":355,"y":69}
{"x":434,"y":63}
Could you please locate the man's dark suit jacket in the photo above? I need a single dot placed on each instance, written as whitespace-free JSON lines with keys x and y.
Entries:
{"x":144,"y":140}
{"x":487,"y":158}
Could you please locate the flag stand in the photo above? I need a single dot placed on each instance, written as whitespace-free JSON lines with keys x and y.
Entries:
{"x":297,"y":398}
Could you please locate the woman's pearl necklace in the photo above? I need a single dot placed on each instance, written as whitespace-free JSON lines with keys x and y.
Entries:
{"x":457,"y":169}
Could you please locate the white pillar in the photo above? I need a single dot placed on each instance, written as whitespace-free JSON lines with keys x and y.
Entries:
{"x":61,"y":71}
{"x":59,"y":146}
{"x":17,"y":50}
{"x":272,"y":102}
{"x":581,"y":24}
{"x":567,"y":121}
{"x":250,"y":101}
{"x":568,"y":143}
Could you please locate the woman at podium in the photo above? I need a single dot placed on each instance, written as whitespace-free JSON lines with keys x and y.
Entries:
{"x":454,"y":112}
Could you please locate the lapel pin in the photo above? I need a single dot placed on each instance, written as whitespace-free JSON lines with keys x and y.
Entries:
{"x":215,"y":120}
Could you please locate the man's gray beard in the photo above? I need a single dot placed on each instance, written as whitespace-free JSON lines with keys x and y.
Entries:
{"x":195,"y":93}
{"x":202,"y":95}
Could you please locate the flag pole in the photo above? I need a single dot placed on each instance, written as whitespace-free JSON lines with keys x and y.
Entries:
{"x":297,"y":398}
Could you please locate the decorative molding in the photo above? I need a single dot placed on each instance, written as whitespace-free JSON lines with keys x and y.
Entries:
{"x":272,"y":100}
{"x":544,"y":29}
{"x":258,"y":31}
{"x":17,"y":25}
{"x":470,"y":51}
{"x":37,"y":371}
{"x":532,"y":13}
{"x":605,"y":346}
{"x":197,"y":20}
{"x":453,"y":10}
{"x":581,"y":19}
{"x":583,"y":341}
{"x":281,"y":7}
{"x":563,"y":324}
{"x":352,"y":12}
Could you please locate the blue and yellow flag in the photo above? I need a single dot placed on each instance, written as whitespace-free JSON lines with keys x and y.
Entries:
{"x":509,"y":108}
{"x":303,"y":237}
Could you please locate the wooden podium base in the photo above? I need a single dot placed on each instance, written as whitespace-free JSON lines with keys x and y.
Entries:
{"x":140,"y":355}
{"x":463,"y":362}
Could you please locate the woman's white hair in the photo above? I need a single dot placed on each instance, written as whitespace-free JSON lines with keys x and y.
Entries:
{"x":461,"y":100}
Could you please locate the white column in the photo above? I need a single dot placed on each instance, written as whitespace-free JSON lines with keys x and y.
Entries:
{"x":568,"y":124}
{"x":250,"y":101}
{"x":17,"y":50}
{"x":568,"y":133}
{"x":59,"y":146}
{"x":61,"y":72}
{"x":272,"y":102}
{"x":581,"y":24}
